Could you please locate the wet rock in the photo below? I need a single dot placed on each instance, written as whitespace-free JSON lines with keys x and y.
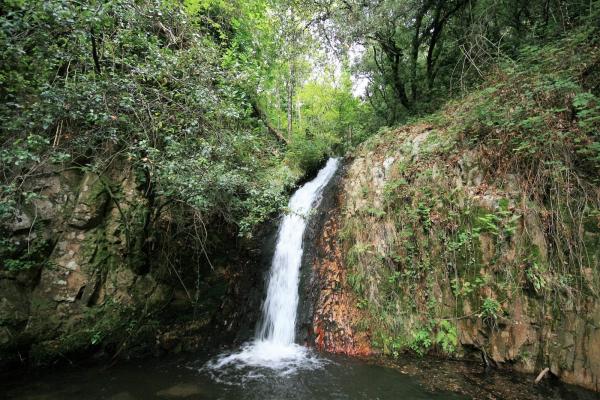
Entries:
{"x":180,"y":391}
{"x":123,"y":396}
{"x":20,"y":222}
{"x":44,"y":209}
{"x":336,"y":317}
{"x":13,"y":302}
{"x":14,"y":311}
{"x":96,"y":284}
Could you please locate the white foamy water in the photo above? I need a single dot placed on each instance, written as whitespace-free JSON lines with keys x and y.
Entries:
{"x":274,"y":346}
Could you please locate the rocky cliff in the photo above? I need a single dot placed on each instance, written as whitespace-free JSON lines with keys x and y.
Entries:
{"x":95,"y":266}
{"x":475,"y":232}
{"x":431,"y":251}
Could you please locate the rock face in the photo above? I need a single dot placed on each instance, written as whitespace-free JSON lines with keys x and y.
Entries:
{"x":326,"y":315}
{"x":82,"y":228}
{"x":432,"y":249}
{"x":336,"y":320}
{"x":83,"y":270}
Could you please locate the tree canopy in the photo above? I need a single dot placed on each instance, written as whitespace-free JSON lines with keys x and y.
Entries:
{"x":222,"y":105}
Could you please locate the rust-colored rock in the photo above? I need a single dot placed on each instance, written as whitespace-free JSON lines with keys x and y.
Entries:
{"x":336,"y":315}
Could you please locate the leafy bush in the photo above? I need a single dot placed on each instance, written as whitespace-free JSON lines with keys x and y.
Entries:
{"x":85,"y":82}
{"x":447,"y":336}
{"x":308,"y":154}
{"x":490,"y":311}
{"x":421,"y":342}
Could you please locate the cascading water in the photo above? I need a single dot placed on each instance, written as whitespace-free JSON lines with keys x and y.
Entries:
{"x":279,"y":311}
{"x":274,"y":345}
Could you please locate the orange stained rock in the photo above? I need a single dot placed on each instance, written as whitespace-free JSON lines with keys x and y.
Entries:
{"x":336,"y":314}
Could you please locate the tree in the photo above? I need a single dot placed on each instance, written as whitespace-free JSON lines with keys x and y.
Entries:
{"x":416,"y":49}
{"x":403,"y":41}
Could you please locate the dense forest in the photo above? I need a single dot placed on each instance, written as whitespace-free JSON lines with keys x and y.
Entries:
{"x":148,"y":147}
{"x":222,"y":105}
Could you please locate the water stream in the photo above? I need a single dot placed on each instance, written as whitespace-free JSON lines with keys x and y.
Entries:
{"x":274,"y":347}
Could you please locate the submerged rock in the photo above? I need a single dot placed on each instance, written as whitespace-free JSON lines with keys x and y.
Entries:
{"x":180,"y":391}
{"x":123,"y":396}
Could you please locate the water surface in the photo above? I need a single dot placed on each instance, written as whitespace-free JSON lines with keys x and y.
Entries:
{"x":339,"y":378}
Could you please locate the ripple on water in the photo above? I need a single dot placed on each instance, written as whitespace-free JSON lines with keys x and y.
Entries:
{"x":261,"y":359}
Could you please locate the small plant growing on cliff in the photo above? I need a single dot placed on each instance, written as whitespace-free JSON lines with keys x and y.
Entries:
{"x":356,"y":281}
{"x":424,"y":214}
{"x":362,"y":303}
{"x":96,"y":337}
{"x":490,"y":311}
{"x":490,"y":223}
{"x":535,"y":275}
{"x":447,"y":337}
{"x":18,"y":265}
{"x":364,"y":191}
{"x":356,"y":252}
{"x":467,"y":287}
{"x":375,"y":212}
{"x":33,"y":255}
{"x":394,"y":277}
{"x":421,"y":342}
{"x":392,"y":188}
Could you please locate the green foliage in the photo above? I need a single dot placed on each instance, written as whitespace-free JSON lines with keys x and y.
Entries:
{"x":356,"y":282}
{"x":490,"y":311}
{"x":466,"y":288}
{"x":527,"y":107}
{"x":392,"y":188}
{"x":375,"y":212}
{"x":174,"y":87}
{"x":356,"y":252}
{"x":442,"y":334}
{"x":447,"y":337}
{"x":30,"y":255}
{"x":587,"y":107}
{"x":390,"y":345}
{"x":489,"y":223}
{"x":410,"y":47}
{"x":423,"y":211}
{"x":308,"y":153}
{"x":536,"y":275}
{"x":421,"y":342}
{"x":152,"y":81}
{"x":362,"y":304}
{"x":329,"y":112}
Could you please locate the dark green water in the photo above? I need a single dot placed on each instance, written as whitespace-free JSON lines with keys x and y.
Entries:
{"x":338,"y":378}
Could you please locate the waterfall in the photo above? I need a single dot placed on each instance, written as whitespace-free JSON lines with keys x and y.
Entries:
{"x":273,"y":346}
{"x":279,"y":310}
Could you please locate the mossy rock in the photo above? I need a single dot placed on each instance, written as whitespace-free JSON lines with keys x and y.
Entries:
{"x":92,"y":202}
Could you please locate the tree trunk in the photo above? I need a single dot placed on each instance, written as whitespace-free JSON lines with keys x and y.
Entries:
{"x":259,"y":113}
{"x":290,"y":100}
{"x":399,"y":84}
{"x":95,"y":52}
